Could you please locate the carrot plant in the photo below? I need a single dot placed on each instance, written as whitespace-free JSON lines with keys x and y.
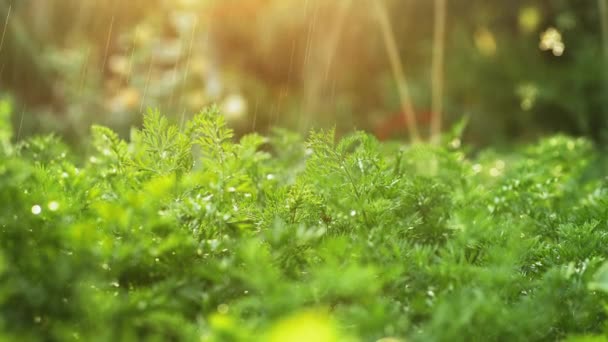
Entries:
{"x":188,"y":234}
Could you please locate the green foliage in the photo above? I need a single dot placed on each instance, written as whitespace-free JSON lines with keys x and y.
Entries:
{"x":186,"y":234}
{"x":167,"y":150}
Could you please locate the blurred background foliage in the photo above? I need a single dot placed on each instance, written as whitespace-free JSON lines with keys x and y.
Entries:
{"x":518,"y":69}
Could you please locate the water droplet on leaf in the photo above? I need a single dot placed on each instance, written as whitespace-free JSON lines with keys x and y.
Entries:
{"x":36,"y":209}
{"x":53,"y":205}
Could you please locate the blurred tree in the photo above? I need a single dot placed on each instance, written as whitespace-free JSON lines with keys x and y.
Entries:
{"x":303,"y":64}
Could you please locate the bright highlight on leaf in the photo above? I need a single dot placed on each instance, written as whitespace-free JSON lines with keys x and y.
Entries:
{"x":305,"y":327}
{"x":600,"y":279}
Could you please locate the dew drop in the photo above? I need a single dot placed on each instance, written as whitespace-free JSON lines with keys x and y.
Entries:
{"x":53,"y":205}
{"x":36,"y":209}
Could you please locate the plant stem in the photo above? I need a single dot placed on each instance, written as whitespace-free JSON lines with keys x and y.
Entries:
{"x":438,"y":70}
{"x":397,"y":67}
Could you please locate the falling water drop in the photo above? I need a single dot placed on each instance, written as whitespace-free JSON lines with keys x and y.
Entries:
{"x":8,"y":15}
